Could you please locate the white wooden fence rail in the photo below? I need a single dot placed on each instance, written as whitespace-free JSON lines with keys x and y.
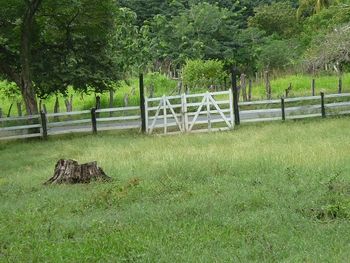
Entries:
{"x":175,"y":114}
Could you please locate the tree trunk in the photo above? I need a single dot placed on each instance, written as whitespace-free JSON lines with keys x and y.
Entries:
{"x":111,"y":98}
{"x":126,"y":100}
{"x":9,"y":112}
{"x":250,"y":90}
{"x":19,"y":109}
{"x":268,"y":85}
{"x":26,"y":83}
{"x":151,"y":91}
{"x":98,"y":102}
{"x":288,"y":90}
{"x":69,"y":103}
{"x":70,"y":172}
{"x":56,"y":108}
{"x":44,"y":108}
{"x":244,"y":87}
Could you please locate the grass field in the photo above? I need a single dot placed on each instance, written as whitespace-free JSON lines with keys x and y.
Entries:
{"x":301,"y":86}
{"x":264,"y":193}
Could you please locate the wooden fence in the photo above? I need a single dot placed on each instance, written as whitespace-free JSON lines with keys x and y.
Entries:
{"x":186,"y":113}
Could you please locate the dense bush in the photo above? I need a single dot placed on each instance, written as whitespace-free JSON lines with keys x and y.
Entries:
{"x":158,"y":84}
{"x":200,"y":73}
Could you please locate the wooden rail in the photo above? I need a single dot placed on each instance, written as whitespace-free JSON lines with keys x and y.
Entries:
{"x":176,"y":114}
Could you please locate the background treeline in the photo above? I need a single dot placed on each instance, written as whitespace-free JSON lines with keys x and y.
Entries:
{"x":50,"y":49}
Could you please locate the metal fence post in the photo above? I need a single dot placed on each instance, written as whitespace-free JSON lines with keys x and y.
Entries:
{"x":93,"y":121}
{"x":142,"y":104}
{"x":235,"y":95}
{"x":323,"y":109}
{"x":283,"y":109}
{"x":44,"y":124}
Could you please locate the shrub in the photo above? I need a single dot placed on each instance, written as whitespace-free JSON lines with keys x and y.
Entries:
{"x":200,"y":73}
{"x":160,"y":83}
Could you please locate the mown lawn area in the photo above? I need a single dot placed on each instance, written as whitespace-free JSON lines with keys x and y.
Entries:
{"x":275,"y":192}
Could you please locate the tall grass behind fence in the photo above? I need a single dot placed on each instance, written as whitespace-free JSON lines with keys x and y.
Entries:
{"x":124,"y":118}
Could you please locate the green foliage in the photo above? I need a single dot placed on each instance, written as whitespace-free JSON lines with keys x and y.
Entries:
{"x":160,"y":84}
{"x":310,"y":7}
{"x":76,"y":48}
{"x":90,"y":46}
{"x":278,"y":18}
{"x":83,"y":44}
{"x":203,"y":74}
{"x":9,"y":92}
{"x":204,"y":31}
{"x":277,"y":54}
{"x":324,"y":21}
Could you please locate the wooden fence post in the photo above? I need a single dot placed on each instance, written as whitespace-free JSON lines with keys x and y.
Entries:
{"x":93,"y":121}
{"x":184,"y":112}
{"x":340,"y":85}
{"x":235,"y":95}
{"x":283,"y":109}
{"x":142,"y":104}
{"x":250,"y":90}
{"x":268,"y":85}
{"x":288,"y":90}
{"x":111,"y":101}
{"x":98,"y":105}
{"x":208,"y":110}
{"x":0,"y":113}
{"x":44,"y":124}
{"x":323,"y":109}
{"x":313,"y":87}
{"x":165,"y":117}
{"x":244,"y":87}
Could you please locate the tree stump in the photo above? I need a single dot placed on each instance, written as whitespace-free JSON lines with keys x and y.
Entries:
{"x":70,"y":172}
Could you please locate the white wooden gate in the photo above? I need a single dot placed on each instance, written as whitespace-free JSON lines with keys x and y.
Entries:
{"x":189,"y":113}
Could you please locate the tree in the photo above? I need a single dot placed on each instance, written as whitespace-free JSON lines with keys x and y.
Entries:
{"x":310,"y":7}
{"x":324,"y":21}
{"x":17,"y":20}
{"x":278,"y":18}
{"x":276,"y":54}
{"x":45,"y":46}
{"x":76,"y":47}
{"x":331,"y":49}
{"x":204,"y":31}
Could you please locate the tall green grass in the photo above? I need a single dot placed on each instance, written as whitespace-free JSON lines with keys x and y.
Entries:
{"x":301,"y":85}
{"x":262,"y":193}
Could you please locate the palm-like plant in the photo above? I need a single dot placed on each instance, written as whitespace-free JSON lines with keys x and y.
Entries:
{"x":314,"y":6}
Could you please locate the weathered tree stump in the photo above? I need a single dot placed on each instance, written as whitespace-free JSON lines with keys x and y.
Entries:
{"x":70,"y":172}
